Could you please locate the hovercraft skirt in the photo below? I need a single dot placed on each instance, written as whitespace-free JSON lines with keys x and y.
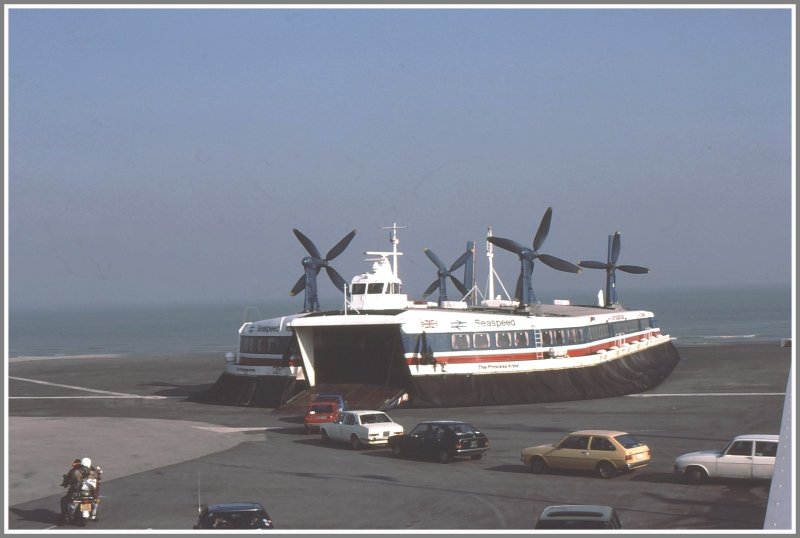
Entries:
{"x":252,"y":391}
{"x":632,"y":373}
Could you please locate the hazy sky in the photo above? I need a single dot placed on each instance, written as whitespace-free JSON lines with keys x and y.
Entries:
{"x":166,"y":155}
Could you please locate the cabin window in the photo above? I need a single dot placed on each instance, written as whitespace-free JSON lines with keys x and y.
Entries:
{"x":502,"y":340}
{"x":359,"y":289}
{"x":574,"y":336}
{"x":460,"y":341}
{"x":375,"y":288}
{"x":273,"y":345}
{"x":521,"y":339}
{"x":481,"y":340}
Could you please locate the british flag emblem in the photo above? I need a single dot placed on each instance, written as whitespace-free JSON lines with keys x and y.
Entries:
{"x":429,"y":323}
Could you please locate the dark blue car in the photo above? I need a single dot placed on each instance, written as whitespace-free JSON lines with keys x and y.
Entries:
{"x":242,"y":515}
{"x":328,"y":397}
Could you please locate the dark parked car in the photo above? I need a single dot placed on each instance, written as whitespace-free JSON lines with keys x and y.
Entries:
{"x":233,"y":516}
{"x":441,"y":439}
{"x":578,"y":516}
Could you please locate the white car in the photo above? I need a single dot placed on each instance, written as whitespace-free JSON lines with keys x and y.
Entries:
{"x":361,"y":428}
{"x":746,"y":456}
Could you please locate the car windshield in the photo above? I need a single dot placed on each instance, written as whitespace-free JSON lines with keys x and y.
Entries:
{"x":375,"y":418}
{"x":237,"y":520}
{"x":628,"y":441}
{"x":322,"y":408}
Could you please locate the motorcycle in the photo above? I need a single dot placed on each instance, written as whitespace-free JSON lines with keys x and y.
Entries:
{"x":81,"y":505}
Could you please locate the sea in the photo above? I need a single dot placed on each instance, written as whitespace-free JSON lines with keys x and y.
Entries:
{"x":693,"y":316}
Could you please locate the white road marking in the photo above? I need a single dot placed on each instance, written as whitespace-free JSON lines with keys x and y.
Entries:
{"x":709,"y":394}
{"x":226,"y":429}
{"x":128,"y":397}
{"x":106,"y":393}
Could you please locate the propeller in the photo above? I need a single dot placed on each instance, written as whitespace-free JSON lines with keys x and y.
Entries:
{"x":527,"y":256}
{"x":313,"y":264}
{"x":611,"y":267}
{"x":444,"y":272}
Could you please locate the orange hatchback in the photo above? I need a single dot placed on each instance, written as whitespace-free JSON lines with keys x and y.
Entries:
{"x":320,"y":412}
{"x":605,"y":452}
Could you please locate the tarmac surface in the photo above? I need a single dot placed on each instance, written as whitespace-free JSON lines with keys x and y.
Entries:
{"x":163,"y":454}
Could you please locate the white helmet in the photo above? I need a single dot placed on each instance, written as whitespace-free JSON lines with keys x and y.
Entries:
{"x":86,"y":462}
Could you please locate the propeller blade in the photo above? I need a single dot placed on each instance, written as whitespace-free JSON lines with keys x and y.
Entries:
{"x":635,"y":269}
{"x":298,"y":286}
{"x":558,"y":263}
{"x":310,"y":247}
{"x":431,"y":288}
{"x":615,"y":244}
{"x":335,"y":277}
{"x":435,"y":259}
{"x":459,"y":285}
{"x":461,"y":260}
{"x":593,"y":265}
{"x":544,"y":229}
{"x":506,"y":244}
{"x":518,"y":290}
{"x":340,"y":246}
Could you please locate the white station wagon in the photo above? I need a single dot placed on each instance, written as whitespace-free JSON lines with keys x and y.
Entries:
{"x":746,"y":456}
{"x":361,"y":428}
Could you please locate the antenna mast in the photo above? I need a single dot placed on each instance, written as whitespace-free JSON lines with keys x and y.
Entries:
{"x":395,"y":241}
{"x":490,"y":256}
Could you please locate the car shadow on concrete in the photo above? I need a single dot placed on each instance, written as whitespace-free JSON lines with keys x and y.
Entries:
{"x":657,"y":478}
{"x":509,"y":468}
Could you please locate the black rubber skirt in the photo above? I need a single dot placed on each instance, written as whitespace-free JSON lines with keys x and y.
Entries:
{"x":630,"y":374}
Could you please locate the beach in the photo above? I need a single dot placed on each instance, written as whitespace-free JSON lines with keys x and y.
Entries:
{"x":135,"y":415}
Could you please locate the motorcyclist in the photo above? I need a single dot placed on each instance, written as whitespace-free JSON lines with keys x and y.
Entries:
{"x":73,"y":479}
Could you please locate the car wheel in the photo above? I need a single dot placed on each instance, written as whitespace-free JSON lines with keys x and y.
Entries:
{"x":476,"y":456}
{"x":355,"y":442}
{"x":538,"y":466}
{"x":325,"y":438}
{"x":695,"y":475}
{"x":397,"y":451}
{"x":606,"y":470}
{"x":444,"y":456}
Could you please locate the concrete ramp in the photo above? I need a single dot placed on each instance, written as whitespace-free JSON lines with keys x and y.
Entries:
{"x":357,"y":396}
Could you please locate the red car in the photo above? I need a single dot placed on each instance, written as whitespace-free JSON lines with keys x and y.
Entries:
{"x":321,"y":412}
